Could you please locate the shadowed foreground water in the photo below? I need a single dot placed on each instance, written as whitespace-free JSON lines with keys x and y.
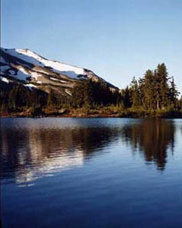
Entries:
{"x":105,"y":172}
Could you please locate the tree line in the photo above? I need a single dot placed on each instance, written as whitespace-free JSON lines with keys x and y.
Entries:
{"x":155,"y":91}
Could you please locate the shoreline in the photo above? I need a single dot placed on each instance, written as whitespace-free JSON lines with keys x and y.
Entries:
{"x":135,"y":115}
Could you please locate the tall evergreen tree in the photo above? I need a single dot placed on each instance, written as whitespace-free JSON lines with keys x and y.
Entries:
{"x":135,"y":96}
{"x":173,"y":93}
{"x":162,"y":88}
{"x":148,"y":93}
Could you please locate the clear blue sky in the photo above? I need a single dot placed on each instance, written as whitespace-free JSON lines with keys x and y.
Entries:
{"x":117,"y":39}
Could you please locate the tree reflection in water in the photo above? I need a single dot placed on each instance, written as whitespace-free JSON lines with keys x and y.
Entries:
{"x":29,"y":150}
{"x":153,"y":138}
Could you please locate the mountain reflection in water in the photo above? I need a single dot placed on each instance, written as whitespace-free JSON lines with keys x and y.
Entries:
{"x":31,"y":150}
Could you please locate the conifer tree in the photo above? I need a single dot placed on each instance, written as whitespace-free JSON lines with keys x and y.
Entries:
{"x":173,"y":93}
{"x":135,"y":99}
{"x":148,"y":94}
{"x":162,"y":86}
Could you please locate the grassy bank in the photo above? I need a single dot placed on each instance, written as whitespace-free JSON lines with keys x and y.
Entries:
{"x":105,"y":111}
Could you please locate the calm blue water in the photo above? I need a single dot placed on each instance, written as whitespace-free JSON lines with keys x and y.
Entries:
{"x":105,"y":172}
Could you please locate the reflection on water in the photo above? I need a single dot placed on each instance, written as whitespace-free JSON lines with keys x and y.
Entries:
{"x":153,"y":138}
{"x":29,"y":151}
{"x":91,"y":173}
{"x":32,"y":148}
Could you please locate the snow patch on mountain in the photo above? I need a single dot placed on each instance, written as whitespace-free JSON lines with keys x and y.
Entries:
{"x":68,"y":92}
{"x":23,"y":70}
{"x":20,"y":75}
{"x":35,"y":75}
{"x":30,"y":86}
{"x":58,"y":67}
{"x":54,"y":79}
{"x":4,"y":79}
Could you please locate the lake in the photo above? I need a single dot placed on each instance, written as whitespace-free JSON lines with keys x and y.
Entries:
{"x":100,"y":172}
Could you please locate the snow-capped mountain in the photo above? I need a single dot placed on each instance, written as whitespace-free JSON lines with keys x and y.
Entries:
{"x":34,"y":71}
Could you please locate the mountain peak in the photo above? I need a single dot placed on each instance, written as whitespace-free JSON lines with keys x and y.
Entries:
{"x":27,"y":67}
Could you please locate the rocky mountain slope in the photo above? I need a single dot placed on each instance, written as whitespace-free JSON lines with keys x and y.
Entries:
{"x":33,"y":71}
